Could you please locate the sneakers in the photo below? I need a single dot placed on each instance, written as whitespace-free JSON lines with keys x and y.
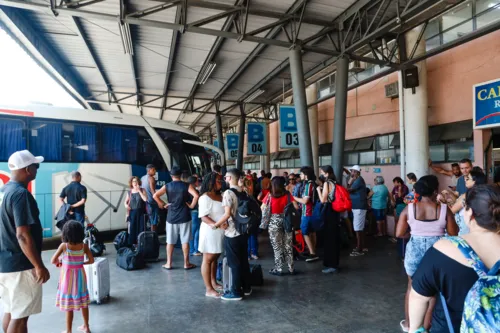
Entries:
{"x":248,"y":292}
{"x":254,"y":257}
{"x":230,"y":296}
{"x":312,"y":258}
{"x":357,"y":253}
{"x":329,"y":270}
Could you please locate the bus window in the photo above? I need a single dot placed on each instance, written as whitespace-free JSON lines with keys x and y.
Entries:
{"x":119,"y":144}
{"x":12,"y":137}
{"x":46,"y":139}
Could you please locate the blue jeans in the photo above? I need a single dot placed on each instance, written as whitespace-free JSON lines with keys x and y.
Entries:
{"x":253,"y":244}
{"x":153,"y":213}
{"x":195,"y":232}
{"x":79,"y":217}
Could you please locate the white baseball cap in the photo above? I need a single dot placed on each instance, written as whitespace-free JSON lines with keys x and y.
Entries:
{"x":356,"y":167}
{"x":22,"y":159}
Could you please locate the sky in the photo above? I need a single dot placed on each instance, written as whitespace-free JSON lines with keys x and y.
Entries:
{"x":23,"y":82}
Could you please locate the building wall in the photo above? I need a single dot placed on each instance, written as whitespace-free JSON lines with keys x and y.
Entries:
{"x":450,"y":77}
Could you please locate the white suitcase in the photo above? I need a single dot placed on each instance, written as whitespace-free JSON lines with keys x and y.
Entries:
{"x":98,"y":280}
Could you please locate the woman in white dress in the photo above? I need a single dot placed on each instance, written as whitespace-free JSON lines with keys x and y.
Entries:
{"x":211,"y":241}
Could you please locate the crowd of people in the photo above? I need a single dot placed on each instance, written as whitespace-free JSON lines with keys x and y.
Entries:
{"x":201,"y":214}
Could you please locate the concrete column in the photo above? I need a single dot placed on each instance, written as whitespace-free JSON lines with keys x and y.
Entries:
{"x":220,"y":139}
{"x":312,"y":96}
{"x":415,"y":113}
{"x":241,"y":142}
{"x":339,"y":118}
{"x":300,"y":102}
{"x":265,"y":160}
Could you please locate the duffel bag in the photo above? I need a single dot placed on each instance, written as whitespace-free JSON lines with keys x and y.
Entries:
{"x":129,"y":259}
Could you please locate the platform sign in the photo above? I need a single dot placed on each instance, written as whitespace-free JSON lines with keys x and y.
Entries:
{"x":232,"y":141}
{"x":256,"y":139}
{"x":289,"y":138}
{"x":486,"y":104}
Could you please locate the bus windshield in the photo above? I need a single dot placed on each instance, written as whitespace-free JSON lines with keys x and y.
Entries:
{"x":190,"y":158}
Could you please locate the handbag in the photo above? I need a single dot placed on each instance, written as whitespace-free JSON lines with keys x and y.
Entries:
{"x":291,"y":219}
{"x":266,"y":213}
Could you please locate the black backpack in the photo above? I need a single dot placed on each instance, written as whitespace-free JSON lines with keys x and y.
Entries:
{"x":92,"y":238}
{"x":129,"y":259}
{"x":121,"y":240}
{"x":248,"y":215}
{"x":292,"y":216}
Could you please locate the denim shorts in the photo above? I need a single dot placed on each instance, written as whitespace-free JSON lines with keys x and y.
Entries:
{"x":415,"y":251}
{"x":379,"y":214}
{"x":306,"y":225}
{"x":153,"y":213}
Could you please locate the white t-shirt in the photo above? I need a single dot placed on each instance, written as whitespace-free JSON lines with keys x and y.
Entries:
{"x":454,"y":180}
{"x":210,"y":208}
{"x":229,"y":199}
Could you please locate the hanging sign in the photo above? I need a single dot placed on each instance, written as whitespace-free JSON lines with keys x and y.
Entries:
{"x":256,"y":139}
{"x":232,"y":141}
{"x":289,"y":138}
{"x":486,"y":108}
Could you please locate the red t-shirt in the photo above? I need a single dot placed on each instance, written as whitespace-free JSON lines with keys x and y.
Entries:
{"x":278,"y":204}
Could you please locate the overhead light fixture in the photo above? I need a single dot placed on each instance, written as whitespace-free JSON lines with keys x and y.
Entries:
{"x":254,"y":95}
{"x":207,"y":72}
{"x":128,"y":48}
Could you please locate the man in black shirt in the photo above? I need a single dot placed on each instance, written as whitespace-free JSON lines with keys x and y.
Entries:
{"x":22,"y":271}
{"x":76,"y":195}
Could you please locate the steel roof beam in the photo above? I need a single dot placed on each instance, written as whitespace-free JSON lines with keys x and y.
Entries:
{"x":94,"y":57}
{"x":133,"y":65}
{"x":171,"y":59}
{"x":157,"y":24}
{"x":214,"y":50}
{"x":155,"y":9}
{"x":214,"y":18}
{"x":19,"y":27}
{"x":253,"y":11}
{"x":80,"y":4}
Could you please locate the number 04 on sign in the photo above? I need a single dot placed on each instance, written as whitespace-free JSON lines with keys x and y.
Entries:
{"x":257,"y":139}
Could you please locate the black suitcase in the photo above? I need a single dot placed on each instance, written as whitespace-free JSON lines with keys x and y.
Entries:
{"x":129,"y":259}
{"x":148,"y":244}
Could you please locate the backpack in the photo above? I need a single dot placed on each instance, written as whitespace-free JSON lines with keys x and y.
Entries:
{"x":292,"y":216}
{"x":129,"y":259}
{"x":121,"y":240}
{"x":341,"y":201}
{"x":248,"y":215}
{"x":482,"y":303}
{"x":92,"y":238}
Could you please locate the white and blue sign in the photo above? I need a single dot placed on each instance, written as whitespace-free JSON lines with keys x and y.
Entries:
{"x":256,"y":139}
{"x":486,"y":104}
{"x":232,"y":141}
{"x":289,"y":138}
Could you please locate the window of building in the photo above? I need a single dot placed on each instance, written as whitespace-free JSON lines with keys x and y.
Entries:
{"x":488,"y":11}
{"x":457,"y":22}
{"x":437,"y":153}
{"x":388,"y":156}
{"x":460,"y":150}
{"x":367,"y":157}
{"x":325,"y":160}
{"x":12,"y":137}
{"x":351,"y":158}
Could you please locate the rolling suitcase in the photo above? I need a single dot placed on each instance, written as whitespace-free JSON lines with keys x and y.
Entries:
{"x":148,"y":244}
{"x":227,"y":281}
{"x":98,"y":281}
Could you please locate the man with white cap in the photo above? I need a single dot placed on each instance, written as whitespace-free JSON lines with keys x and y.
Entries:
{"x":357,"y":190}
{"x":22,"y":271}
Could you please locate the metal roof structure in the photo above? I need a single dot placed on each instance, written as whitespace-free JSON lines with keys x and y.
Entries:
{"x":184,"y":60}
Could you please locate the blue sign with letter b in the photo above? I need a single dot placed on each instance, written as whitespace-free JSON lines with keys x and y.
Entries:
{"x":289,"y":138}
{"x":232,"y":146}
{"x":256,"y":139}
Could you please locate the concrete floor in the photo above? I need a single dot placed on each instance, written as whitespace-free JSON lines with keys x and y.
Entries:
{"x":366,"y":297}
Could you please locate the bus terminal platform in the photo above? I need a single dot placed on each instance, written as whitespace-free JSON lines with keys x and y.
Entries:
{"x":365,"y":297}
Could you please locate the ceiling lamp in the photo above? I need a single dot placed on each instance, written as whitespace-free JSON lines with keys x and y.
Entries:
{"x":207,"y":72}
{"x":128,"y":48}
{"x":254,"y":95}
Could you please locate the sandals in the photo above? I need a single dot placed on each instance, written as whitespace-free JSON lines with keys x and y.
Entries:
{"x":191,"y":266}
{"x":403,"y":328}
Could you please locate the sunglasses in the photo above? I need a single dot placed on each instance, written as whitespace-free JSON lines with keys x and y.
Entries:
{"x":36,"y":165}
